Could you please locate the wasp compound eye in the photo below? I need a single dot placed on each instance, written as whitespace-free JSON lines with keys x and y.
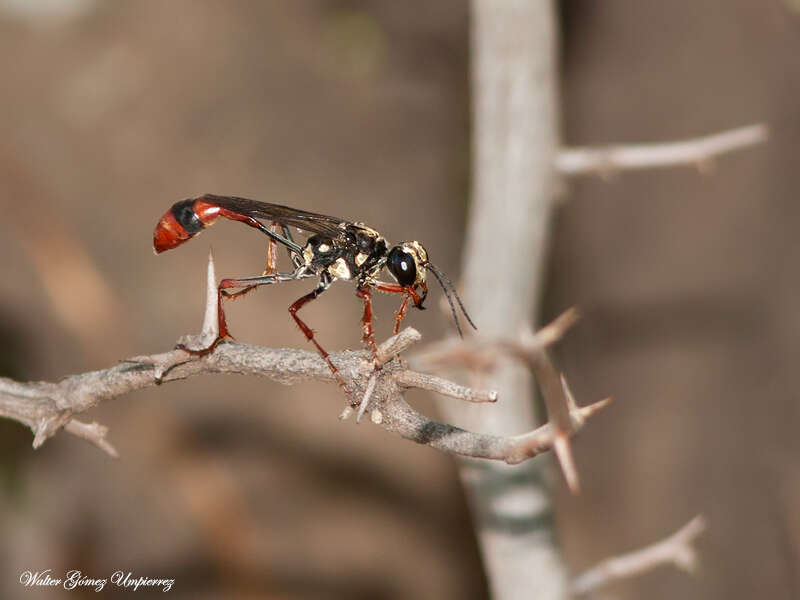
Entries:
{"x":402,"y":266}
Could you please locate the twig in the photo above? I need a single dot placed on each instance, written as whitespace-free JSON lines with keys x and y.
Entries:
{"x":698,"y":152}
{"x":94,"y":433}
{"x":47,"y":407}
{"x":677,"y":549}
{"x":409,"y":379}
{"x":513,"y":450}
{"x":563,"y":416}
{"x":483,"y":350}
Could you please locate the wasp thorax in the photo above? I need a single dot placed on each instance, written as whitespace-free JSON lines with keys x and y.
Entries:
{"x":319,"y":250}
{"x":368,"y":246}
{"x":406,"y":262}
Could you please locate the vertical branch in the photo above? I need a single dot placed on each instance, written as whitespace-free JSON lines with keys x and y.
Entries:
{"x":515,"y":142}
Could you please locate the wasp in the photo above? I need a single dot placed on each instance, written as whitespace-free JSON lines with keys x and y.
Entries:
{"x":336,"y":249}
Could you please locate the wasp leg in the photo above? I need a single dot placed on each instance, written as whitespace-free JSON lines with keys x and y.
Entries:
{"x":247,"y":284}
{"x":410,"y":294}
{"x":272,"y":249}
{"x":401,"y":312}
{"x":367,"y":331}
{"x":393,"y":288}
{"x":324,"y":284}
{"x":272,"y":252}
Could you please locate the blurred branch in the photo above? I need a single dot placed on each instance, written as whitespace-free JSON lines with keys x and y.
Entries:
{"x":698,"y":152}
{"x":47,"y":407}
{"x":677,"y":549}
{"x":514,"y":82}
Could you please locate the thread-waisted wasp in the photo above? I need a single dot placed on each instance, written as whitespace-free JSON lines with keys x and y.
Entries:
{"x":336,"y":249}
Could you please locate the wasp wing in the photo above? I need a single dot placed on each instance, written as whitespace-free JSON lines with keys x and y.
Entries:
{"x":277,"y":213}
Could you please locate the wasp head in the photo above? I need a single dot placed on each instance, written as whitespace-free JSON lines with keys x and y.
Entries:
{"x":407,"y":263}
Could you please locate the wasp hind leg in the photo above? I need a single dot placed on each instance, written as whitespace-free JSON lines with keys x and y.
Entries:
{"x":271,"y":266}
{"x":247,"y":284}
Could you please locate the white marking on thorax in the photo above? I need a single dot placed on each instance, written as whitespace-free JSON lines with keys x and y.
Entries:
{"x":339,"y":269}
{"x":308,"y":254}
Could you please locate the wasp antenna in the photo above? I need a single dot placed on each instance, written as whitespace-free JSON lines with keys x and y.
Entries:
{"x":449,"y":289}
{"x":449,"y":300}
{"x":441,"y":274}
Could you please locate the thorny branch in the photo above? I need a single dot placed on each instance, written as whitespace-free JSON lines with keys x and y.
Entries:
{"x":47,"y":407}
{"x":677,"y":550}
{"x":563,"y":415}
{"x":699,"y":152}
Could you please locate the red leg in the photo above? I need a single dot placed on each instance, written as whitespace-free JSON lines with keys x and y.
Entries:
{"x":248,"y":284}
{"x":272,"y":253}
{"x":393,"y":288}
{"x":410,"y":294}
{"x":401,"y":312}
{"x":222,"y":325}
{"x":224,"y":294}
{"x":233,"y":295}
{"x":367,"y":331}
{"x":309,"y":333}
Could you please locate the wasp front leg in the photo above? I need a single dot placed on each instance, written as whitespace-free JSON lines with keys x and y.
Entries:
{"x":410,"y":293}
{"x":401,"y":312}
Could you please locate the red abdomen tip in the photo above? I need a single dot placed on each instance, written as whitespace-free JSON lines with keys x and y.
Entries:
{"x":168,"y":233}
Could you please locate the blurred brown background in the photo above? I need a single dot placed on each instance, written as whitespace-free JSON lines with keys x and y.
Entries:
{"x":237,"y":487}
